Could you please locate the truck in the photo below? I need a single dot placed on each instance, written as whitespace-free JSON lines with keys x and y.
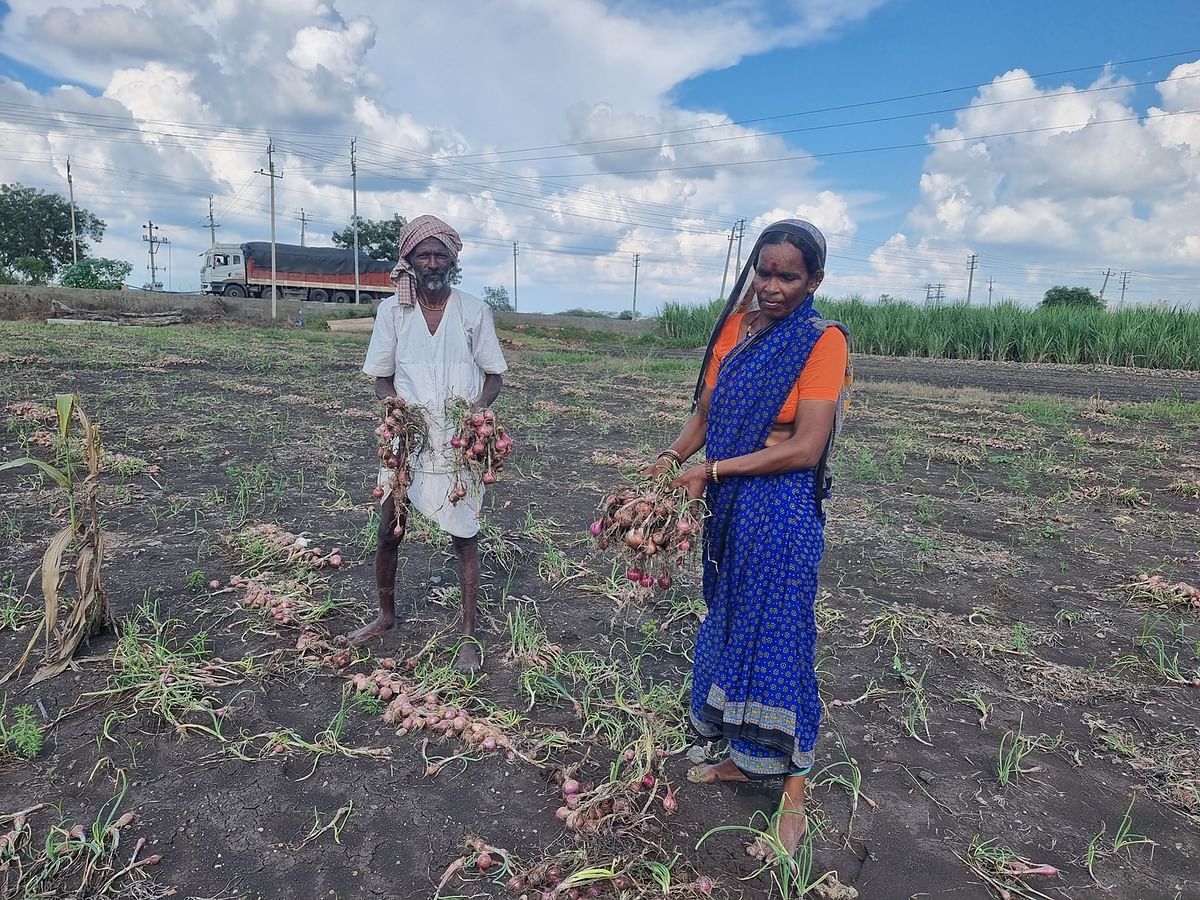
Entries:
{"x":317,"y":274}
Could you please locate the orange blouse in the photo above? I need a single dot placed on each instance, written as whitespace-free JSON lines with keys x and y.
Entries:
{"x":823,"y":376}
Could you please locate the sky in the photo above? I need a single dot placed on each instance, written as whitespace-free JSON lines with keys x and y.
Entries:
{"x":1050,"y":142}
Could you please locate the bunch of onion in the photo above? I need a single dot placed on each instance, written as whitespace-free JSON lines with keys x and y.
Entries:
{"x":1162,"y":589}
{"x":295,"y":549}
{"x":402,"y":435}
{"x":622,"y":803}
{"x":414,"y":709}
{"x":652,"y":527}
{"x":283,"y":608}
{"x":481,"y":446}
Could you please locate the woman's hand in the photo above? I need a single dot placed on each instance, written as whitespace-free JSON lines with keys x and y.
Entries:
{"x":693,"y":480}
{"x":660,"y":466}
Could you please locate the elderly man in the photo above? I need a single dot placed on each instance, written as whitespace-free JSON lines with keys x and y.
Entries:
{"x":432,"y":345}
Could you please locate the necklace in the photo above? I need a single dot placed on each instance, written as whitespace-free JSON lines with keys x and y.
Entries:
{"x":432,"y":309}
{"x":751,"y":324}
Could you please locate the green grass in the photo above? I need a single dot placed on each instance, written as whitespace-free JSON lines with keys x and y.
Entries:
{"x":1152,"y":338}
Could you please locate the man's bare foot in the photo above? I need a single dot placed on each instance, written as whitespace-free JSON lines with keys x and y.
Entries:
{"x":468,"y":658}
{"x":725,"y":770}
{"x":381,"y":626}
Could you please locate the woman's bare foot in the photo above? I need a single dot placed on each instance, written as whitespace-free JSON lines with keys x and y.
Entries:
{"x":381,"y":626}
{"x":468,"y":658}
{"x":788,"y":829}
{"x":725,"y":770}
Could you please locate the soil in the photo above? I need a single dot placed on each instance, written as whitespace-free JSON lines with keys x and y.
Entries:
{"x":989,"y":527}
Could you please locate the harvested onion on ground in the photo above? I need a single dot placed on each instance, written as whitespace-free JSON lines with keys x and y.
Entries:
{"x":481,"y":445}
{"x":652,"y":527}
{"x":402,"y":435}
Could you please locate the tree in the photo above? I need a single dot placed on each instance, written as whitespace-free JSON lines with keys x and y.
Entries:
{"x":97,"y":273}
{"x":380,"y":239}
{"x":37,"y":224}
{"x":1072,"y":296}
{"x":497,"y":298}
{"x":29,"y":270}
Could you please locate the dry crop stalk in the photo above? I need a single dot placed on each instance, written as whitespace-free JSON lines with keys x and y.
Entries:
{"x":81,"y":538}
{"x":652,"y":526}
{"x":403,"y":434}
{"x":480,"y":444}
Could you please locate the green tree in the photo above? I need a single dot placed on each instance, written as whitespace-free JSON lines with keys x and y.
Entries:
{"x":1072,"y":296}
{"x":97,"y":273}
{"x":32,"y":270}
{"x":380,"y":239}
{"x":37,"y":224}
{"x":497,"y":298}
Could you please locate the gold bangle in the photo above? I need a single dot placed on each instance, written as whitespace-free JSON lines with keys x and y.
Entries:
{"x":716,"y":478}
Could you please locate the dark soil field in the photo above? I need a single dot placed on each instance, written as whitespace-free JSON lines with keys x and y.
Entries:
{"x":1005,"y":687}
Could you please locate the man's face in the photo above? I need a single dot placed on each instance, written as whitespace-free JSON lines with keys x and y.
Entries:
{"x":431,"y":261}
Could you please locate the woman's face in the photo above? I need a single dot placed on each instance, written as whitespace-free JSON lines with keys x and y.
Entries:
{"x":782,"y":281}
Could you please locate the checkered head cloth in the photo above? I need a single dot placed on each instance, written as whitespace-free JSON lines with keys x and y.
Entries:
{"x":420,"y":229}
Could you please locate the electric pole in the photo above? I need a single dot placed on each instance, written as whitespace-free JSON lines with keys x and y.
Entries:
{"x":270,"y":173}
{"x":972,"y":263}
{"x":728,"y":256}
{"x":1124,"y":284}
{"x":991,"y":284}
{"x":741,"y":231}
{"x":303,"y":225}
{"x":151,"y":238}
{"x":928,"y":293}
{"x":637,"y":261}
{"x":939,"y":292}
{"x":1108,"y":273}
{"x":516,"y":252}
{"x":354,"y":214}
{"x":74,"y":231}
{"x":212,"y":225}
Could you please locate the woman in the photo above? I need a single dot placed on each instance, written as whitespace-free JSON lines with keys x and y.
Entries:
{"x":767,"y":406}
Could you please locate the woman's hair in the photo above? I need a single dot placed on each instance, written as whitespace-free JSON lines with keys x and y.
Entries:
{"x":812,"y":261}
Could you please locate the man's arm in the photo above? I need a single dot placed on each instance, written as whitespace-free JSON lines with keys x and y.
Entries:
{"x":491,"y":390}
{"x":384,"y":387}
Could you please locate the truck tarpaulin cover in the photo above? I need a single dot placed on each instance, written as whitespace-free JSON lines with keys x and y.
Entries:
{"x":317,"y":260}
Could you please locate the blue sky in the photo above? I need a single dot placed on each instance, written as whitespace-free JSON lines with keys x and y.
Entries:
{"x":1057,"y":204}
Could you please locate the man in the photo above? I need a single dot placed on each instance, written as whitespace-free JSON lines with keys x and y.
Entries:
{"x":432,"y":345}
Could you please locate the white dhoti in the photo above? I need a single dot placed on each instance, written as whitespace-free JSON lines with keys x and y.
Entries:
{"x":433,"y":371}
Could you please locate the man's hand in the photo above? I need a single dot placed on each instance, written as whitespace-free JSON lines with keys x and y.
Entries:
{"x":693,"y":480}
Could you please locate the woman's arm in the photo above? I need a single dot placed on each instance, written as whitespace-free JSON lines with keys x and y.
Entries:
{"x":800,"y":450}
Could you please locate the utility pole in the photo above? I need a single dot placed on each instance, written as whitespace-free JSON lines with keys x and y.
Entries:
{"x":741,"y":231}
{"x":939,"y":292}
{"x":516,"y":252}
{"x":972,"y":263}
{"x":928,"y":293}
{"x":212,"y":225}
{"x":74,"y":231}
{"x":303,"y":225}
{"x":354,"y":214}
{"x":637,"y":261}
{"x":1108,"y":273}
{"x":991,"y":285}
{"x":728,"y":256}
{"x":1124,"y":284}
{"x":270,"y":173}
{"x":169,"y":268}
{"x":151,"y":238}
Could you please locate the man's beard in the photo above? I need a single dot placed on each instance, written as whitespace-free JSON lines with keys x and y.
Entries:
{"x":435,"y":281}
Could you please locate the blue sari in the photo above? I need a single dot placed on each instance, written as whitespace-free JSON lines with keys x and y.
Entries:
{"x":753,"y":680}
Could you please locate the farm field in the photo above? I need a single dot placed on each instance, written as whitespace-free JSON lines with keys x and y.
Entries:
{"x":1006,"y":686}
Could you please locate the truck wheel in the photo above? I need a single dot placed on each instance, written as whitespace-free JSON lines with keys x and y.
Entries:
{"x":340,"y":297}
{"x":234,"y":290}
{"x":318,"y":295}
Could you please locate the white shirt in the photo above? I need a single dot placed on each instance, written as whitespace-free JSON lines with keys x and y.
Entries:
{"x":432,"y":371}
